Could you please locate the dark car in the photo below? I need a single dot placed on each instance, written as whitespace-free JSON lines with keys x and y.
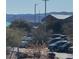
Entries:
{"x":59,"y":44}
{"x":25,"y":42}
{"x":53,"y":46}
{"x":64,"y":48}
{"x":53,"y":40}
{"x":70,"y":50}
{"x":25,"y":38}
{"x":56,"y":35}
{"x":23,"y":45}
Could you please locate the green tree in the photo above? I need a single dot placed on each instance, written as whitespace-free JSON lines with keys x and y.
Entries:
{"x":13,"y":37}
{"x":58,"y":27}
{"x":21,"y":25}
{"x":39,"y":36}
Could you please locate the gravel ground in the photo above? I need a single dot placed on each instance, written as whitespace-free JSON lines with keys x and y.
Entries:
{"x":43,"y":54}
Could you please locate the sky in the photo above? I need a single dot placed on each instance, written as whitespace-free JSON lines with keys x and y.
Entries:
{"x":27,"y":6}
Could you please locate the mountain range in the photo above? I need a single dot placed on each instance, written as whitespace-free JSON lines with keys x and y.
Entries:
{"x":31,"y":17}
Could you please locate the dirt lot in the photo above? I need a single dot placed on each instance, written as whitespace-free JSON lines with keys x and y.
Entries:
{"x":43,"y":53}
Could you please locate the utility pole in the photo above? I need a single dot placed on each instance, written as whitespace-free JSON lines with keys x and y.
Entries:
{"x":39,"y":17}
{"x":45,"y":12}
{"x":35,"y":13}
{"x":45,"y":6}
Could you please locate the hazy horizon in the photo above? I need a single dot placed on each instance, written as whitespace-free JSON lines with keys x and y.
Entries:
{"x":40,"y":13}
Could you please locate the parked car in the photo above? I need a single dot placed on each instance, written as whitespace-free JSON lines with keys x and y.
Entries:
{"x":23,"y":45}
{"x":53,"y":46}
{"x":56,"y":35}
{"x":64,"y":47}
{"x":25,"y":38}
{"x":53,"y":40}
{"x":70,"y":50}
{"x":8,"y":50}
{"x":25,"y":42}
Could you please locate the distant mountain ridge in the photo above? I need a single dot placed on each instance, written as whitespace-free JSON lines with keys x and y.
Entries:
{"x":30,"y":17}
{"x":62,"y":13}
